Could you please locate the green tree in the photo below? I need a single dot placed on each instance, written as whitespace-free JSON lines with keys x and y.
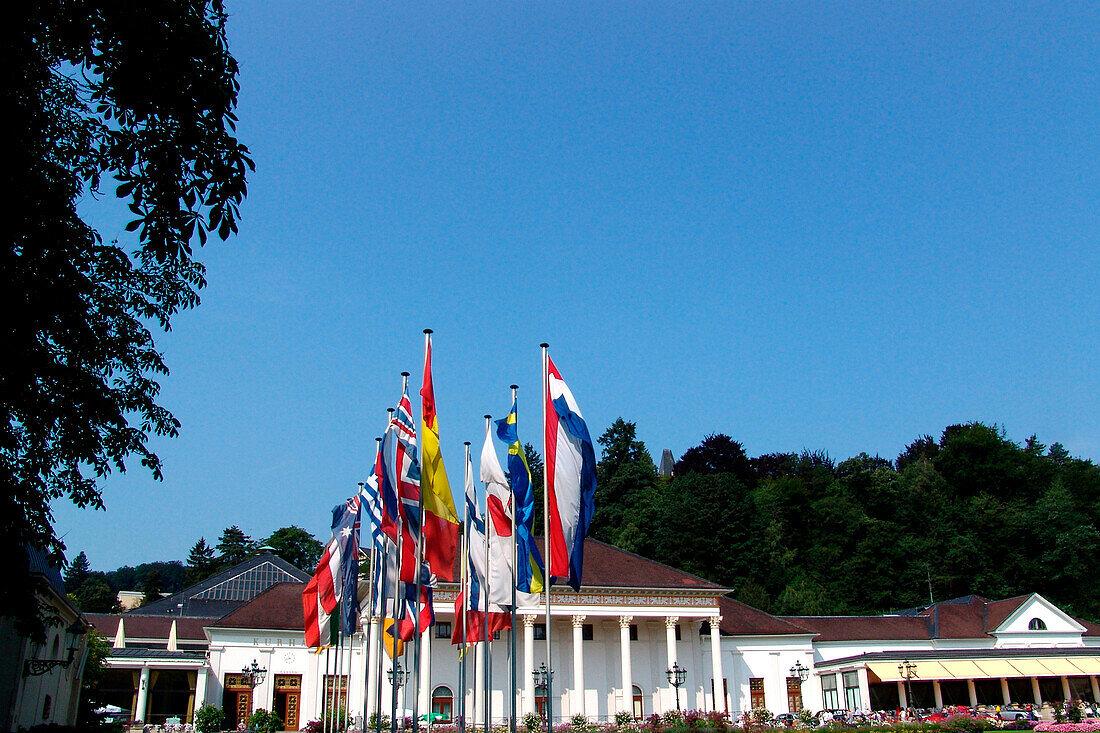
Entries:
{"x":534,"y":462}
{"x":96,"y":91}
{"x":297,"y":546}
{"x":95,"y":667}
{"x":234,"y":546}
{"x":151,"y":587}
{"x":626,"y":490}
{"x":77,"y":572}
{"x":200,"y":563}
{"x":718,"y":453}
{"x":95,"y":596}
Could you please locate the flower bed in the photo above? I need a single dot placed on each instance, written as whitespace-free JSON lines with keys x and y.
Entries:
{"x":1086,"y":726}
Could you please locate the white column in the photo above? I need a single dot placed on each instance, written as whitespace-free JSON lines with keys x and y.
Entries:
{"x":1035,"y":693}
{"x":628,"y":679}
{"x":143,"y":696}
{"x":372,"y":666}
{"x":716,"y":663}
{"x":1004,"y":691}
{"x":528,"y":665}
{"x":578,"y":665}
{"x":1095,"y":688}
{"x":972,"y":691}
{"x":903,"y":699}
{"x":1066,"y":694}
{"x":200,"y":688}
{"x":425,"y":700}
{"x":937,"y":694}
{"x":670,"y":645}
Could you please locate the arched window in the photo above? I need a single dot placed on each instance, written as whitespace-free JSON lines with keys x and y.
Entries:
{"x":1037,"y":624}
{"x":442,"y":703}
{"x":639,"y":711}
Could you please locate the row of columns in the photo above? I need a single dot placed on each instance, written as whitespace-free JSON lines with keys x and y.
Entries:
{"x":1037,"y":698}
{"x":627,"y":701}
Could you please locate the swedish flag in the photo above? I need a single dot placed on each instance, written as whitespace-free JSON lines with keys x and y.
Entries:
{"x":529,"y":574}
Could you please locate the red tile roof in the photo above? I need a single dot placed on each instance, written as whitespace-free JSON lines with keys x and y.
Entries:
{"x":741,"y":620}
{"x":606,"y":566}
{"x":860,"y":628}
{"x":148,"y":627}
{"x":997,"y":611}
{"x":278,"y":607}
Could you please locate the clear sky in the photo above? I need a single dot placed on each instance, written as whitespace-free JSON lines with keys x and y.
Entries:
{"x":806,"y":225}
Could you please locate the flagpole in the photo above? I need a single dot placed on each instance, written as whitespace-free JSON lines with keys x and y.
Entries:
{"x":380,"y":606}
{"x":546,"y":545}
{"x":330,"y":694}
{"x":419,"y":564}
{"x":370,"y":605}
{"x":515,"y":575}
{"x":485,"y":618}
{"x":465,"y":596}
{"x":339,"y":674}
{"x":396,"y":585}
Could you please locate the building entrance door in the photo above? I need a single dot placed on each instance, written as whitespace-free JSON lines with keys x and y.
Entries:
{"x":288,"y":696}
{"x":236,"y":701}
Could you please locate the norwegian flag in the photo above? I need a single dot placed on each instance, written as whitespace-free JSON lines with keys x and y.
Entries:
{"x":401,"y":486}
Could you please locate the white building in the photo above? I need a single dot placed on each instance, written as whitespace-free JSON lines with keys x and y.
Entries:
{"x":614,"y":641}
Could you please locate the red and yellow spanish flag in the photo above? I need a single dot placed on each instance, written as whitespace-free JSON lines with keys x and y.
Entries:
{"x":440,"y":518}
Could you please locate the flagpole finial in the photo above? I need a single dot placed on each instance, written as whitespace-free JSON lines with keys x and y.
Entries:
{"x":544,"y":345}
{"x":362,"y":484}
{"x":428,"y":331}
{"x":405,"y":374}
{"x":390,"y":410}
{"x":466,"y":442}
{"x":513,"y":386}
{"x":488,"y":417}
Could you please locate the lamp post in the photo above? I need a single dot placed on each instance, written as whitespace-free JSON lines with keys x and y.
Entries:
{"x":908,"y":671}
{"x":254,"y":674}
{"x":676,"y":676}
{"x":397,"y":675}
{"x":801,"y":672}
{"x":34,"y":667}
{"x":543,"y":679}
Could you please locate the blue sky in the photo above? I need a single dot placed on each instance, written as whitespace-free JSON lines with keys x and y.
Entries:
{"x":807,"y":225}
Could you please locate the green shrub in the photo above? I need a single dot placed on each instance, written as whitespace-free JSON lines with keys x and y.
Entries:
{"x":533,"y":722}
{"x":262,"y":721}
{"x":623,"y":719}
{"x":209,"y":719}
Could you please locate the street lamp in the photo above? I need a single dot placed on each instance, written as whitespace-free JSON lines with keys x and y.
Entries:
{"x":676,"y":676}
{"x":800,"y":672}
{"x":543,"y":677}
{"x":397,"y":675}
{"x":254,"y":674}
{"x":34,"y":667}
{"x":908,"y":671}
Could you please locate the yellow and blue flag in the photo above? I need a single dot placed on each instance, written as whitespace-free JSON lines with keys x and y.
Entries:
{"x":529,"y":573}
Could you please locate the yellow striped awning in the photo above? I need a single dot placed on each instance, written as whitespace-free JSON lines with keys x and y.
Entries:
{"x":968,"y":669}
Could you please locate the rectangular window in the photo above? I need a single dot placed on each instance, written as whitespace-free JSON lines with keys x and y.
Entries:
{"x":496,"y":635}
{"x":851,"y":690}
{"x":756,"y":693}
{"x":443,"y":629}
{"x":633,"y":632}
{"x":540,"y":632}
{"x":829,"y":698}
{"x":586,"y":632}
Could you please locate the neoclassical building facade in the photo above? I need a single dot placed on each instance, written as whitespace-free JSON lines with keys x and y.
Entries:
{"x":613,"y":643}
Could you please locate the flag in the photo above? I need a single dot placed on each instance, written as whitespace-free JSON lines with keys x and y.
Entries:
{"x":316,"y":618}
{"x":570,"y":479}
{"x":471,"y":604}
{"x":328,"y":576}
{"x":495,"y":524}
{"x":370,"y":509}
{"x":427,"y":610}
{"x":345,"y":529}
{"x":440,"y":517}
{"x":401,"y":486}
{"x":529,"y":572}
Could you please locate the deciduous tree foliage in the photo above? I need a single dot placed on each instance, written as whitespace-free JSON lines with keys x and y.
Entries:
{"x":969,"y":512}
{"x":297,"y":546}
{"x":97,"y":90}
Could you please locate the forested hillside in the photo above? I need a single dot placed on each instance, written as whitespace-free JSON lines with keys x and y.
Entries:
{"x":969,"y":512}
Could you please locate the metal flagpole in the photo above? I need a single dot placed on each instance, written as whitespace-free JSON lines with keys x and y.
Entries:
{"x":370,"y":607}
{"x":515,"y":575}
{"x":329,"y":684}
{"x":419,"y":565}
{"x":465,"y":595}
{"x":380,"y":605}
{"x":485,"y":518}
{"x":396,"y":588}
{"x":546,"y":546}
{"x":338,"y":695}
